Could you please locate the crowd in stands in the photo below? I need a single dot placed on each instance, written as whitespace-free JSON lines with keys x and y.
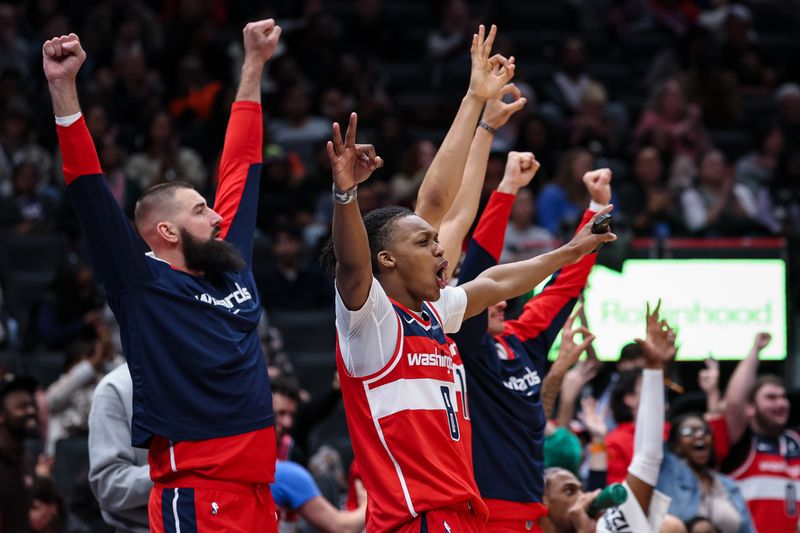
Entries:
{"x":694,"y":106}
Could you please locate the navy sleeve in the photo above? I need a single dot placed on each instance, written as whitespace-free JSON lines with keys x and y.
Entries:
{"x":117,"y":252}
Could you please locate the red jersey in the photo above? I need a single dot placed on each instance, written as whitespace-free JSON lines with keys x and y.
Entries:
{"x":767,"y":471}
{"x":408,"y":420}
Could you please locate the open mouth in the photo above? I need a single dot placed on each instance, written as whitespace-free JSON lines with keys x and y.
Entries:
{"x":441,"y":273}
{"x":700,"y":445}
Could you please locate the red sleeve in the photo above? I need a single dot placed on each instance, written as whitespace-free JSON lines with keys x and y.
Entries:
{"x":719,"y":430}
{"x":352,"y":497}
{"x":540,"y":313}
{"x":243,"y":143}
{"x":619,"y":451}
{"x":77,"y":151}
{"x":491,"y":231}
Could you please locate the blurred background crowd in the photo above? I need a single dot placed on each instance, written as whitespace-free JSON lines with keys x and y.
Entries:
{"x":694,"y":105}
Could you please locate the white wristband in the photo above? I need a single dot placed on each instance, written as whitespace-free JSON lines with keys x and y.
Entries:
{"x":596,"y":207}
{"x":69,"y":120}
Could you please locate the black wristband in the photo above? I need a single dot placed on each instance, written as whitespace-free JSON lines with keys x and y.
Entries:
{"x":487,"y":127}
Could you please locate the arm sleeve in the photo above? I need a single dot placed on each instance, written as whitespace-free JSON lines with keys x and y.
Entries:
{"x":239,"y":175}
{"x":451,"y":306}
{"x":293,"y":486}
{"x":648,"y":442}
{"x":117,"y":481}
{"x":483,"y":252}
{"x":368,"y":336}
{"x":544,"y":316}
{"x":116,"y":250}
{"x":619,"y":458}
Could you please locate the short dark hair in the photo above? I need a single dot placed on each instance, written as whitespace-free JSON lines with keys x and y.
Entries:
{"x":378,"y":223}
{"x":154,"y":197}
{"x":45,"y":491}
{"x":286,"y":388}
{"x":631,"y":352}
{"x":626,"y":384}
{"x":766,"y":379}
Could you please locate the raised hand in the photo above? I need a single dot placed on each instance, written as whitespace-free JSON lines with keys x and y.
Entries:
{"x":351,"y":163}
{"x":761,"y":341}
{"x":585,"y":241}
{"x":598,"y":183}
{"x":593,"y":420}
{"x":498,"y":112}
{"x":659,"y":344}
{"x":708,"y":378}
{"x":488,"y":75}
{"x":62,"y":58}
{"x":260,"y":40}
{"x":520,"y":169}
{"x":570,"y":351}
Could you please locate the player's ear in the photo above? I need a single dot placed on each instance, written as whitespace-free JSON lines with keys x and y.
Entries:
{"x":167,"y":231}
{"x":386,"y":259}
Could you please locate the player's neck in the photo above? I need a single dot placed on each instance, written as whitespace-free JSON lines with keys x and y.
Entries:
{"x":398,"y":292}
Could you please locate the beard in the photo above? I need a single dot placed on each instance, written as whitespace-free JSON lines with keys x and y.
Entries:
{"x":213,"y":257}
{"x":769,"y":426}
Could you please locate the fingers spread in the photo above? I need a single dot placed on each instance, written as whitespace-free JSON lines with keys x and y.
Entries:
{"x":337,"y":138}
{"x":350,"y":135}
{"x":331,"y":152}
{"x":487,"y":45}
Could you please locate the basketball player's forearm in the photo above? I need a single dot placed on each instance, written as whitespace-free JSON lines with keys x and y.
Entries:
{"x":250,"y":82}
{"x":64,"y":95}
{"x":443,"y":178}
{"x":353,"y":263}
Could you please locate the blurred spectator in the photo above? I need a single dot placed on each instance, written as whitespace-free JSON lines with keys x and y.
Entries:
{"x":717,"y":205}
{"x":118,"y":473}
{"x":164,"y":159}
{"x":631,"y":357}
{"x":73,"y":307}
{"x":451,"y":37}
{"x":676,"y":16}
{"x":288,"y":195}
{"x":619,"y":441}
{"x":298,"y":131}
{"x":561,"y":203}
{"x":646,"y":200}
{"x":739,"y":54}
{"x":571,"y":80}
{"x":18,"y":421}
{"x":764,"y":456}
{"x":787,"y":96}
{"x":8,"y":327}
{"x":689,"y":476}
{"x":290,"y":284}
{"x":405,"y":184}
{"x":125,"y":190}
{"x":278,"y":362}
{"x":668,"y":112}
{"x":69,"y":398}
{"x":48,"y":512}
{"x":17,"y":144}
{"x":14,"y":50}
{"x":371,"y":31}
{"x":523,"y":238}
{"x":784,"y":212}
{"x":757,"y":170}
{"x":536,"y":135}
{"x":592,"y":127}
{"x":28,"y":209}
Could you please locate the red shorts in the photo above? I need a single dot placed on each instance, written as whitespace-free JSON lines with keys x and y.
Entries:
{"x":456,"y":519}
{"x":514,"y":517}
{"x":226,"y":508}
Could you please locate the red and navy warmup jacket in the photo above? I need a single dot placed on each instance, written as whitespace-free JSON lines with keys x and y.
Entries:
{"x":192,"y":346}
{"x":505,"y":372}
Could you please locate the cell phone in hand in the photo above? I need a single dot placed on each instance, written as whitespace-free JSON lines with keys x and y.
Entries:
{"x":602,"y":224}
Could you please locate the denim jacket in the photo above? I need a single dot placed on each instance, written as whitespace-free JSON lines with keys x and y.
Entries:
{"x":677,"y":480}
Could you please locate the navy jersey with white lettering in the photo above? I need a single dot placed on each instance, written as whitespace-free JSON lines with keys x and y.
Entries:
{"x":505,"y":372}
{"x":192,"y":345}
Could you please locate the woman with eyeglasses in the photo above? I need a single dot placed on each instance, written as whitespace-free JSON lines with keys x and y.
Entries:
{"x":697,"y":489}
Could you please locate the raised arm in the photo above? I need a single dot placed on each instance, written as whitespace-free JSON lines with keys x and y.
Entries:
{"x":544,"y":315}
{"x":240,"y":165}
{"x":462,"y":213}
{"x":117,"y":252}
{"x":739,"y":387}
{"x":659,"y":349}
{"x":351,"y":164}
{"x":443,"y":178}
{"x":508,"y":281}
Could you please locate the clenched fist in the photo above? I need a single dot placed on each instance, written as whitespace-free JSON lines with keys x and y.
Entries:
{"x":62,"y":58}
{"x":598,"y":183}
{"x":260,"y":40}
{"x":520,"y":169}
